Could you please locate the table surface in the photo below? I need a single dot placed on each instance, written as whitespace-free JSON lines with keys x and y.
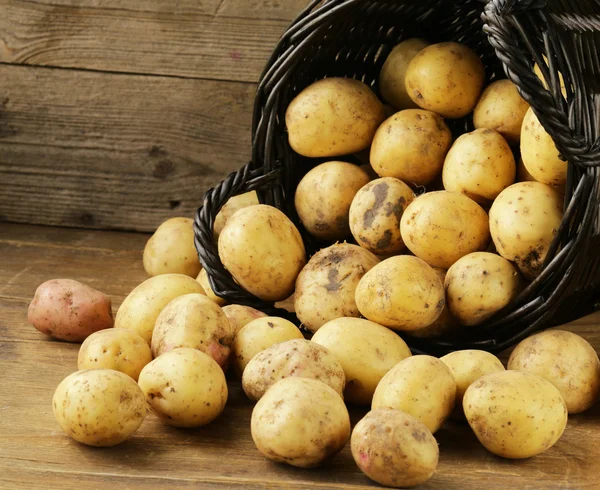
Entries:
{"x":35,"y":453}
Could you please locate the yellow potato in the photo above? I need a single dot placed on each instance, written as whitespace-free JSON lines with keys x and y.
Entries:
{"x":565,"y":359}
{"x":258,"y":335}
{"x":524,"y":220}
{"x":394,"y":449}
{"x":479,"y":285}
{"x":467,"y":366}
{"x":263,"y":251}
{"x":184,"y":388}
{"x":502,"y":109}
{"x":301,"y":422}
{"x":326,"y":286}
{"x":99,"y":407}
{"x":142,"y":306}
{"x":402,"y":293}
{"x":203,"y":280}
{"x":538,"y":72}
{"x":333,"y":117}
{"x":539,"y":153}
{"x":392,"y":77}
{"x":411,"y":146}
{"x":234,"y":204}
{"x":171,"y":249}
{"x":441,"y":227}
{"x":114,"y":348}
{"x":366,"y":351}
{"x":297,"y":357}
{"x":421,"y":386}
{"x":515,"y":415}
{"x":523,"y":174}
{"x":375,"y":215}
{"x":323,"y":198}
{"x":239,"y":316}
{"x":446,"y":78}
{"x":480,"y":165}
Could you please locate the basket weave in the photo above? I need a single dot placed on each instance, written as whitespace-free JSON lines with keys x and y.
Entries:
{"x":352,"y":38}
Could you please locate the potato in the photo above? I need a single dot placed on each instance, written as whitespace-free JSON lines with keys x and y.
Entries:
{"x":392,"y":77}
{"x":142,"y":306}
{"x":203,"y":281}
{"x":502,"y":109}
{"x":323,"y":198}
{"x":333,"y":117}
{"x":184,"y":388}
{"x":297,"y":357}
{"x":523,"y":174}
{"x":421,"y":386}
{"x":524,"y":220}
{"x":234,"y":204}
{"x":239,"y":316}
{"x":375,"y":215}
{"x":99,"y":407}
{"x":479,"y":285}
{"x":467,"y":366}
{"x":325,"y":288}
{"x":366,"y":351}
{"x":446,"y":78}
{"x":411,"y":146}
{"x":538,"y":72}
{"x":539,"y":153}
{"x":480,"y":165}
{"x":171,"y":249}
{"x":69,"y":310}
{"x":193,"y":321}
{"x":402,"y":293}
{"x":394,"y":449}
{"x":263,"y":251}
{"x":441,"y":227}
{"x":515,"y":415}
{"x":258,"y":335}
{"x":301,"y":422}
{"x":114,"y":348}
{"x":565,"y":359}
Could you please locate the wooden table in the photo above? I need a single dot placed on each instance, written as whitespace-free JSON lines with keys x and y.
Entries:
{"x":35,"y":453}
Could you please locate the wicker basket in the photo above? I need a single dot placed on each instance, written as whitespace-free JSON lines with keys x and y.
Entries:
{"x":352,"y":38}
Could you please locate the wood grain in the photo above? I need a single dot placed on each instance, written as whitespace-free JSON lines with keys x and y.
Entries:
{"x":36,"y":454}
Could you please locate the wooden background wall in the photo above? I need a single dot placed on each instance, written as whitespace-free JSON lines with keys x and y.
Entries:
{"x":120,"y":113}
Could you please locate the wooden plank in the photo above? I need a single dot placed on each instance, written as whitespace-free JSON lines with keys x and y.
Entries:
{"x":115,"y":151}
{"x":224,"y":40}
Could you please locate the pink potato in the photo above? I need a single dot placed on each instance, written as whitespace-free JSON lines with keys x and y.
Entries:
{"x":69,"y":310}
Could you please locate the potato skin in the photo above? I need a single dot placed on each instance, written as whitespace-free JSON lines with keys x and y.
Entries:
{"x":142,"y":306}
{"x":392,"y":77}
{"x":479,"y":285}
{"x":239,"y":316}
{"x":441,"y":227}
{"x":297,"y":357}
{"x":394,"y":449}
{"x":171,"y":249}
{"x":564,"y":359}
{"x":69,"y":310}
{"x":480,"y":165}
{"x":203,"y":281}
{"x":114,"y":348}
{"x":411,"y":146}
{"x":193,"y":321}
{"x":366,"y":351}
{"x":446,"y":78}
{"x":184,"y":388}
{"x":301,"y":422}
{"x":326,"y":287}
{"x":515,"y":415}
{"x":234,"y":204}
{"x":421,"y":386}
{"x":524,"y":220}
{"x":99,"y":407}
{"x":333,"y":117}
{"x":323,"y":198}
{"x":402,"y":293}
{"x":263,"y":251}
{"x":375,"y":215}
{"x":502,"y":109}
